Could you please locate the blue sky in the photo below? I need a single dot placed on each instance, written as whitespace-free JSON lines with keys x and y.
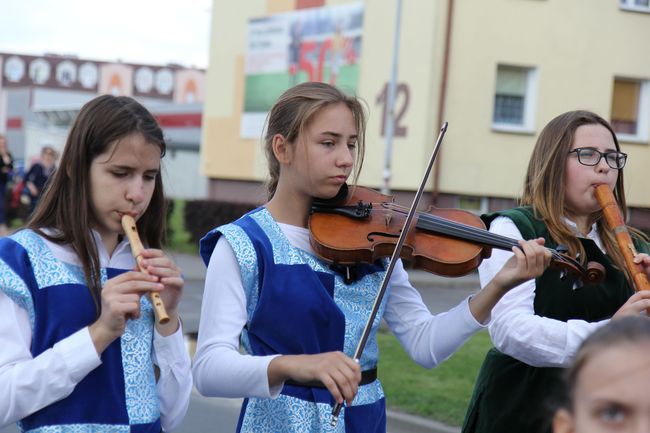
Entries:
{"x":133,"y":31}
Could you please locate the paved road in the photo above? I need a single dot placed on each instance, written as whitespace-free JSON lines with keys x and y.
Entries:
{"x":217,"y":415}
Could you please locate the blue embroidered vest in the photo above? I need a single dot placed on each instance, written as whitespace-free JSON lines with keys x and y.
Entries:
{"x":297,"y":305}
{"x":118,"y":396}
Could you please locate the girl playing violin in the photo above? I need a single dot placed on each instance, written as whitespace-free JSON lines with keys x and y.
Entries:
{"x":80,"y":352}
{"x":539,"y":325}
{"x":297,"y":318}
{"x":607,"y":383}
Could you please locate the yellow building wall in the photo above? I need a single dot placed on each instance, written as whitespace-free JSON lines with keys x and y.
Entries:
{"x":225,"y":155}
{"x":578,"y":48}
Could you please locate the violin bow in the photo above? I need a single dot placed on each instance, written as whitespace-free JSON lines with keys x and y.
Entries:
{"x":393,"y":260}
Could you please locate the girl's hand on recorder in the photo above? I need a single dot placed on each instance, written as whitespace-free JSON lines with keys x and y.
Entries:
{"x":643,"y":259}
{"x":120,"y":301}
{"x":156,"y":263}
{"x":635,"y":304}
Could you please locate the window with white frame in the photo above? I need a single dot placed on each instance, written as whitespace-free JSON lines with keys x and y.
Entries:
{"x":630,"y":109}
{"x":514,"y":98}
{"x":635,"y":5}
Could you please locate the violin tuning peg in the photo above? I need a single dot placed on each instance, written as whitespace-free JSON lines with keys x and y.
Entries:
{"x":562,"y":275}
{"x":577,"y":284}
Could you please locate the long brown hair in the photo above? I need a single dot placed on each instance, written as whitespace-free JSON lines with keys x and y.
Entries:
{"x":293,"y":111}
{"x":66,"y":204}
{"x":544,"y":184}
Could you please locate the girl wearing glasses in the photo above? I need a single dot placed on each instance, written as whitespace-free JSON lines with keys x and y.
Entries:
{"x":538,"y":326}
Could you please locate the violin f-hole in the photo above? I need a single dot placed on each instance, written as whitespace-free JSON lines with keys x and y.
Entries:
{"x":380,"y":234}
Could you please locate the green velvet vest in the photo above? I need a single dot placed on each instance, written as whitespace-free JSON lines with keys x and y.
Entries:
{"x":511,"y":396}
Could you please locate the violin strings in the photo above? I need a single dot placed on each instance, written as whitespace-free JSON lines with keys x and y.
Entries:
{"x":453,"y":228}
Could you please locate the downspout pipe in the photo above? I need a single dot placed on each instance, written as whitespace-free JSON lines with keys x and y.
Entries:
{"x":443,"y":94}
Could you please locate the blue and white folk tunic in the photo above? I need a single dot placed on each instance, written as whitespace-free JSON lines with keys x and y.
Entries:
{"x":118,"y":396}
{"x":297,"y":305}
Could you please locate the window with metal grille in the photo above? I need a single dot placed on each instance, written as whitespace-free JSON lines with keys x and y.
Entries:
{"x":635,"y":5}
{"x":514,"y":98}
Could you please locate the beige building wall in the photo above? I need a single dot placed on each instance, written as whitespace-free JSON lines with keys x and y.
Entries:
{"x":227,"y":156}
{"x":577,"y":55}
{"x":577,"y":48}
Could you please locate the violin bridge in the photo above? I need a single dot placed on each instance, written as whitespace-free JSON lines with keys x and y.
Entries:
{"x":387,"y":219}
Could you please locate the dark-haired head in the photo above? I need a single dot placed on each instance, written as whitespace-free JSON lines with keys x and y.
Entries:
{"x":66,"y":204}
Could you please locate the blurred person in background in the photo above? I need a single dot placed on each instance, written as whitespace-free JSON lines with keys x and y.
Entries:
{"x":6,"y":167}
{"x":38,"y":175}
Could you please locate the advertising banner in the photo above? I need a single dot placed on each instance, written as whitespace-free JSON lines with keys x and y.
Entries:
{"x":317,"y":44}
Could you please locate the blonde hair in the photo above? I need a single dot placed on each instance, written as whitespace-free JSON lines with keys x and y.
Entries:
{"x":544,"y":186}
{"x":293,"y":111}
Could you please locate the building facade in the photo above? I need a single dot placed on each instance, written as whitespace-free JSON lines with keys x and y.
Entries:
{"x":496,"y":70}
{"x":41,"y":95}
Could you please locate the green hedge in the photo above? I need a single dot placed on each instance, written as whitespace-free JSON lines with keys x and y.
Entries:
{"x":201,"y":216}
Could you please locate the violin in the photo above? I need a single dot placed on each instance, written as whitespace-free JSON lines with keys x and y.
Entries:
{"x":363,"y":225}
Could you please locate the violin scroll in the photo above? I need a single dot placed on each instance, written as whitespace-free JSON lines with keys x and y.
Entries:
{"x":595,"y":273}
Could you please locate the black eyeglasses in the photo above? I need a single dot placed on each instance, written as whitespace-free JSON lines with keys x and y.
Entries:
{"x":591,"y":157}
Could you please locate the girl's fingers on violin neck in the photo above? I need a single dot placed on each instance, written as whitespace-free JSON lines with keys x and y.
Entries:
{"x":534,"y":249}
{"x":537,"y":244}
